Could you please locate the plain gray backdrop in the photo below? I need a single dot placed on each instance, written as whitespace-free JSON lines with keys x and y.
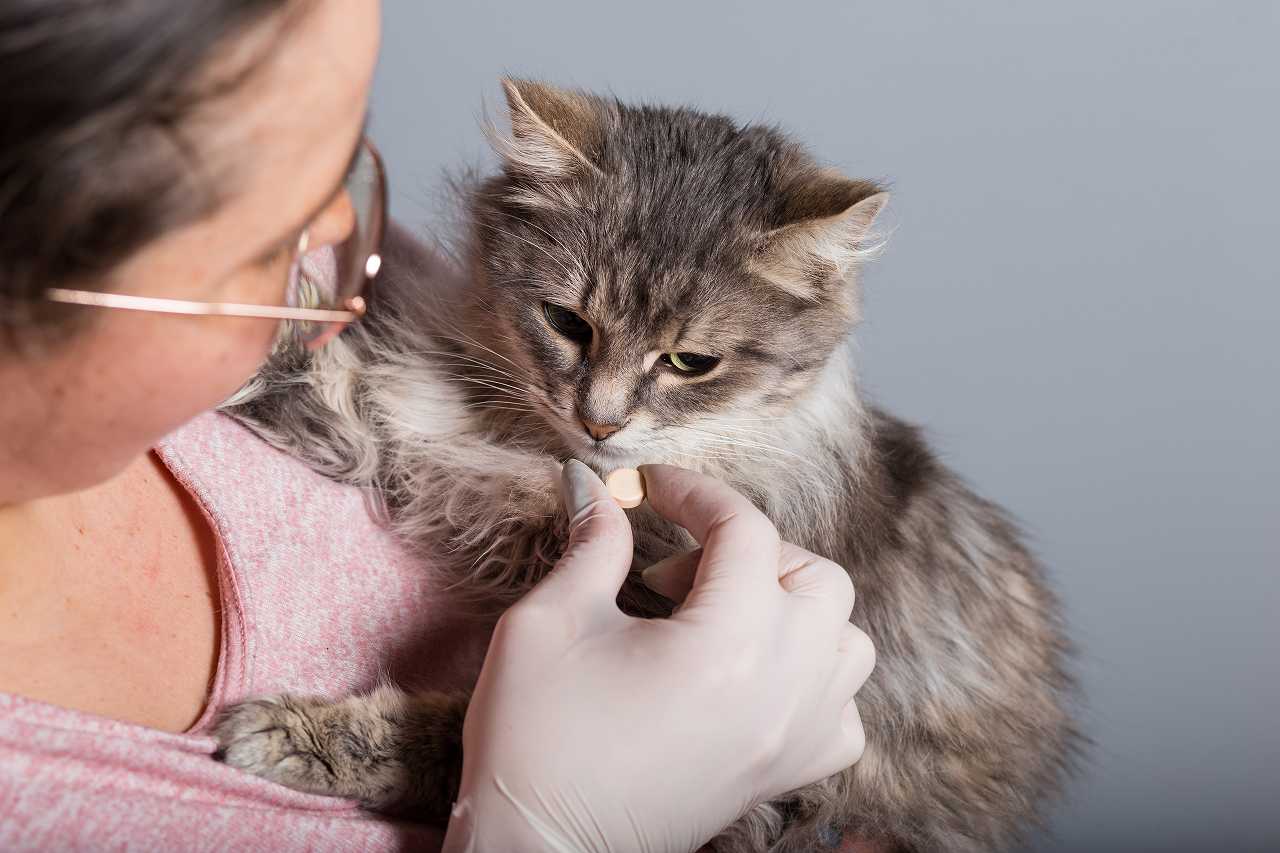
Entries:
{"x":1079,"y":301}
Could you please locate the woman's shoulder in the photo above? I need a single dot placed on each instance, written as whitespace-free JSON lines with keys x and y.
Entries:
{"x":242,"y":481}
{"x":318,"y":596}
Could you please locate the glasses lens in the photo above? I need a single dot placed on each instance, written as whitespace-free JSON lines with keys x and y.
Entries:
{"x":357,"y":257}
{"x":332,"y":276}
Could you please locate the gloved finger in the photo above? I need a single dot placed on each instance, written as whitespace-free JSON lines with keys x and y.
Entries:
{"x":849,"y":743}
{"x":855,"y":661}
{"x":739,"y":544}
{"x":855,"y":735}
{"x":598,"y":556}
{"x":804,"y":573}
{"x":673,"y":576}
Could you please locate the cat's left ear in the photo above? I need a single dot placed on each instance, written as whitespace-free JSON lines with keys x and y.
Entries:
{"x":826,"y":233}
{"x":556,"y":133}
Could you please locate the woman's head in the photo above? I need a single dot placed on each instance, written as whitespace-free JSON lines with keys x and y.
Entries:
{"x":157,"y":149}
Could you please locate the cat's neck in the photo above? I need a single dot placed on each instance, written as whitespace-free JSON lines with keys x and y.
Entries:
{"x":828,"y":417}
{"x":831,"y":409}
{"x":798,"y":466}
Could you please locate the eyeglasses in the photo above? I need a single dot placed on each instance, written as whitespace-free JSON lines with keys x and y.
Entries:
{"x":327,"y":285}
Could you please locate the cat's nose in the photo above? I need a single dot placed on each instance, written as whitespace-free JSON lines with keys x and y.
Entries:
{"x":600,"y":431}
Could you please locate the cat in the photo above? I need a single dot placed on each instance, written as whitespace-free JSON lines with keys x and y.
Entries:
{"x":651,"y":284}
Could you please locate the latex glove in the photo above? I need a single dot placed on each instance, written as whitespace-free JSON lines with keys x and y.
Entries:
{"x":591,"y":730}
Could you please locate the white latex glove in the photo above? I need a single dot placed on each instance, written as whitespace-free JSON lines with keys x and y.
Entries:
{"x":592,"y":730}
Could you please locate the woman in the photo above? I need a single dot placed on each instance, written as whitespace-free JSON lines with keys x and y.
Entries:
{"x":164,"y":162}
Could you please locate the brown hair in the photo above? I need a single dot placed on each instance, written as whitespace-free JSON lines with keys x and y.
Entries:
{"x":93,"y":161}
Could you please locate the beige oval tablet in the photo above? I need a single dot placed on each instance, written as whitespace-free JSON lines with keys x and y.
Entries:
{"x":627,"y":487}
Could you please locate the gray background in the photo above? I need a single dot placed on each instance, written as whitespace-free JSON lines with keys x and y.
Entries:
{"x":1080,"y":300}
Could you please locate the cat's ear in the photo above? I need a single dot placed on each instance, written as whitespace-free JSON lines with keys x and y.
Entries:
{"x":826,"y":231}
{"x":556,"y":133}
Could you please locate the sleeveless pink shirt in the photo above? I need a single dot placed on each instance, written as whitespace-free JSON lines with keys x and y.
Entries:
{"x":317,"y":599}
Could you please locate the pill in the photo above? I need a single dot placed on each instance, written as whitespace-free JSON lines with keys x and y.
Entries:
{"x":626,"y":486}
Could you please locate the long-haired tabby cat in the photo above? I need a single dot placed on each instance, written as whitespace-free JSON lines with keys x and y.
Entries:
{"x":646,"y":284}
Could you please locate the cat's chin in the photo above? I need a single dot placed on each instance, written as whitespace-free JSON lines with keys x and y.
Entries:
{"x":606,"y":457}
{"x":602,"y":456}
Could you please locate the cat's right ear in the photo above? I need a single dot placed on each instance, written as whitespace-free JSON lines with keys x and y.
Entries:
{"x":555,"y":133}
{"x":825,"y":235}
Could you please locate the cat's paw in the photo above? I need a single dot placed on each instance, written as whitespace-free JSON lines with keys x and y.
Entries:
{"x":356,"y":747}
{"x":277,"y":740}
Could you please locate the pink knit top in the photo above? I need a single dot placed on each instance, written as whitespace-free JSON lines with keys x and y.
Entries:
{"x":316,"y":598}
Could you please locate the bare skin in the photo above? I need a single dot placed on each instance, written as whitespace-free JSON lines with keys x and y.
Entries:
{"x":72,"y":635}
{"x":107,"y":598}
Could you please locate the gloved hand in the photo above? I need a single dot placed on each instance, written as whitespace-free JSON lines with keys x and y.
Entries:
{"x":592,"y":730}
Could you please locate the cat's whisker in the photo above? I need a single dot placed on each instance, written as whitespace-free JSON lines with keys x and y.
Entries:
{"x":450,"y":354}
{"x":494,"y":408}
{"x":488,"y":369}
{"x":484,"y":305}
{"x":463,"y":337}
{"x":497,"y":407}
{"x":519,"y":436}
{"x":472,"y":343}
{"x":755,"y":445}
{"x":569,"y":253}
{"x":499,"y":394}
{"x":677,"y":450}
{"x":756,"y":431}
{"x":737,"y":434}
{"x":505,"y":379}
{"x":781,"y":456}
{"x":486,"y":383}
{"x":495,"y":391}
{"x":743,"y":418}
{"x":473,"y":372}
{"x":736,"y":419}
{"x":495,"y":397}
{"x":760,"y":440}
{"x":559,"y":262}
{"x":527,"y":401}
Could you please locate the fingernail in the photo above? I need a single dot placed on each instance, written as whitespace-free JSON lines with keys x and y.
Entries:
{"x":577,"y":486}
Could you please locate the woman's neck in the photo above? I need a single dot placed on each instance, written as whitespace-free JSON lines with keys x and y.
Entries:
{"x":106,"y":593}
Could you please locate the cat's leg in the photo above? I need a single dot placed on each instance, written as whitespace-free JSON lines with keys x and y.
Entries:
{"x":390,"y":750}
{"x":491,"y":519}
{"x":488,"y":517}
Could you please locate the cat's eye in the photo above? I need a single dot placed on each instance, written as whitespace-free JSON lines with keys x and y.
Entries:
{"x":567,"y":323}
{"x":690,"y":363}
